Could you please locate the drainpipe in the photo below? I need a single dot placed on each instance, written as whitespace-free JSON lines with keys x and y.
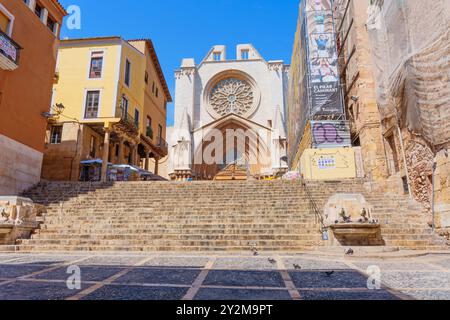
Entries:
{"x":404,"y":155}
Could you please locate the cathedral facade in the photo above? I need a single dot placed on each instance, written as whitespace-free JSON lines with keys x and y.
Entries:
{"x":229,"y":117}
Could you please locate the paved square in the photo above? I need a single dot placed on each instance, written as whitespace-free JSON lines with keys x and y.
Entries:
{"x":164,"y":276}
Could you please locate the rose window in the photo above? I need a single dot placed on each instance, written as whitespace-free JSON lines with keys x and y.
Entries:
{"x":231,"y":96}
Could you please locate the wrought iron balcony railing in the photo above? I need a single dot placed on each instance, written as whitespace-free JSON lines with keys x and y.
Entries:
{"x":126,"y":117}
{"x":162,"y":145}
{"x":10,"y":52}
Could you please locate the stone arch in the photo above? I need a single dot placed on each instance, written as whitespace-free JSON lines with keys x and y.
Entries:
{"x":255,"y":151}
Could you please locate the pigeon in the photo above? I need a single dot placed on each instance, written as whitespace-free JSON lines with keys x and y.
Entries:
{"x":349,"y":252}
{"x":329,"y":273}
{"x":255,"y":253}
{"x":272,"y":261}
{"x":297,"y":267}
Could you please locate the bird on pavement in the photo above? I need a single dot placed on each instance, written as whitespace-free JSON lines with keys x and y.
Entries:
{"x":349,"y":252}
{"x":272,"y":261}
{"x":297,"y":267}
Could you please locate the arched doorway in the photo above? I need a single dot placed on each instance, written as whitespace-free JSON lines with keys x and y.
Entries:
{"x":232,"y":142}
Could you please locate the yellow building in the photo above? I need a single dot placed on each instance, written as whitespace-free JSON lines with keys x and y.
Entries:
{"x":328,"y":164}
{"x":109,"y":105}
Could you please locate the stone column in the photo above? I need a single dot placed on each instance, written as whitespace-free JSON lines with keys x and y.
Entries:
{"x":133,"y":154}
{"x":147,"y":159}
{"x":120,"y":156}
{"x":105,"y":154}
{"x":156,"y":165}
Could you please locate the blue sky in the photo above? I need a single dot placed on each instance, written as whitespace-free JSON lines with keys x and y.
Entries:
{"x":189,"y":28}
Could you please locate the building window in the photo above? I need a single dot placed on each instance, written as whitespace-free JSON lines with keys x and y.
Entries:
{"x":217,"y":56}
{"x":4,"y":22}
{"x":56,"y":135}
{"x":127,"y":72}
{"x":51,"y":24}
{"x":124,"y":108}
{"x":245,"y":54}
{"x":157,"y":92}
{"x":92,"y":104}
{"x":136,"y":118}
{"x":38,"y":10}
{"x":93,"y":147}
{"x":95,"y":70}
{"x":160,"y":134}
{"x":146,"y":77}
{"x":153,"y":87}
{"x":149,"y":130}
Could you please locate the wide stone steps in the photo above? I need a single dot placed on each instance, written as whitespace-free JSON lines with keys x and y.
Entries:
{"x":207,"y":216}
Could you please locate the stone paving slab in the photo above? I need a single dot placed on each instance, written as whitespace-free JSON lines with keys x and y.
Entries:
{"x":30,"y":290}
{"x":404,"y":266}
{"x":45,"y":259}
{"x":410,"y":280}
{"x":190,"y":262}
{"x":346,"y":295}
{"x":15,"y":271}
{"x":234,"y":278}
{"x":319,"y":279}
{"x":111,"y":292}
{"x":159,"y":276}
{"x":241,"y":294}
{"x":443,"y":263}
{"x":88,"y":273}
{"x":429,"y":294}
{"x":311,"y":264}
{"x":244,"y":264}
{"x":117,"y":260}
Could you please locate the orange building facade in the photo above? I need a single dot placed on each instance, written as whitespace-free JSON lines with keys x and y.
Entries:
{"x":29,"y":36}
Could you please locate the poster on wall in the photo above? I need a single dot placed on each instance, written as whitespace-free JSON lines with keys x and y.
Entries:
{"x":330,"y":134}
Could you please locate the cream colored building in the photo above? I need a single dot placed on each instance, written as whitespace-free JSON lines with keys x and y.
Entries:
{"x":244,"y":94}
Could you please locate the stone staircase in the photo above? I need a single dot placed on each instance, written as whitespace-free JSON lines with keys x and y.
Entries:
{"x":208,"y":216}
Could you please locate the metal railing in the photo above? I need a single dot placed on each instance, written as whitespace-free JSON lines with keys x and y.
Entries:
{"x":162,"y":145}
{"x":313,"y":205}
{"x":125,"y":116}
{"x":9,"y":48}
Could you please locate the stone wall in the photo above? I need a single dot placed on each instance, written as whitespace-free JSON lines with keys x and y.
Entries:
{"x":442,"y":189}
{"x":359,"y":83}
{"x":20,"y":166}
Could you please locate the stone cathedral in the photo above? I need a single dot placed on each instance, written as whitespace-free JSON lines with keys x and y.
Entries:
{"x":229,"y":117}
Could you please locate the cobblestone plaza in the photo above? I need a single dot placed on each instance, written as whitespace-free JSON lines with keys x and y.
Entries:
{"x":306,"y":276}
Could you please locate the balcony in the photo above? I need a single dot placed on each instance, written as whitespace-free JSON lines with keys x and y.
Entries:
{"x":9,"y":53}
{"x":162,"y":145}
{"x":128,"y":120}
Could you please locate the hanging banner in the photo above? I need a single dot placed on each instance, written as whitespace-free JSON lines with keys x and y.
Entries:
{"x":325,"y":87}
{"x":330,"y":134}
